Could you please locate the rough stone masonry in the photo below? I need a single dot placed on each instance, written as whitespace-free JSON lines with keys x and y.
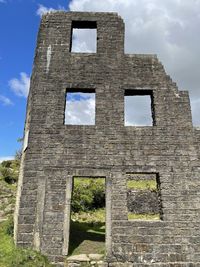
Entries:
{"x":54,"y":153}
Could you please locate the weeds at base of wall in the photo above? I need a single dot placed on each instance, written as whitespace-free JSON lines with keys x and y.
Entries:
{"x":11,"y":256}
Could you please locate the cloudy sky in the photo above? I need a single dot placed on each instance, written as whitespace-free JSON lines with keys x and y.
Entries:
{"x":168,"y":28}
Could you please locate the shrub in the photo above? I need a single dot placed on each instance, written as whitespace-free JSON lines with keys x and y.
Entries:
{"x":11,"y":256}
{"x":6,"y":163}
{"x":9,"y":226}
{"x":88,"y":194}
{"x":9,"y":171}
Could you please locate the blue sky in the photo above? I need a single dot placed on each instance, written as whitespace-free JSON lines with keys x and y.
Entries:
{"x":18,"y":32}
{"x":169,"y":29}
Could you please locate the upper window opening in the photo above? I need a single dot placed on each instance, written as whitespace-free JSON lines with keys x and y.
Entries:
{"x":80,"y":107}
{"x":138,"y":108}
{"x":84,"y":37}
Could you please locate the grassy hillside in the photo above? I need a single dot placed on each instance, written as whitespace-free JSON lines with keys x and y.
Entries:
{"x":9,"y":171}
{"x":10,"y":256}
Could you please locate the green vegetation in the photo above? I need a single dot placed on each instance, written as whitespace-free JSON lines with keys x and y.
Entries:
{"x":85,"y":238}
{"x":148,"y":217}
{"x":88,"y":194}
{"x":142,"y":184}
{"x":9,"y":171}
{"x":87,"y":233}
{"x":92,"y":217}
{"x":10,"y":256}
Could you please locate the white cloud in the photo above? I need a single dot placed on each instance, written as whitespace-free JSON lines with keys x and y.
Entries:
{"x":6,"y":158}
{"x":138,"y":111}
{"x":44,"y":10}
{"x":80,"y":109}
{"x":169,"y":29}
{"x":20,"y":86}
{"x":196,"y":110}
{"x":84,"y":40}
{"x":5,"y":100}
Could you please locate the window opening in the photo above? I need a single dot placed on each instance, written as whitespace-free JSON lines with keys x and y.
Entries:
{"x":80,"y":107}
{"x":138,"y":108}
{"x":143,"y":196}
{"x":87,"y":228}
{"x":84,"y":37}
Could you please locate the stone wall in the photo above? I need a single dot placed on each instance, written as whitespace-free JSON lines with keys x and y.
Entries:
{"x":57,"y":152}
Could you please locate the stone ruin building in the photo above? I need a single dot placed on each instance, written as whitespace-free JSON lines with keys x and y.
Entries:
{"x":166,"y":152}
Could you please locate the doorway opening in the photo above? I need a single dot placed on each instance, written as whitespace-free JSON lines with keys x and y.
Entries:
{"x":87,"y":225}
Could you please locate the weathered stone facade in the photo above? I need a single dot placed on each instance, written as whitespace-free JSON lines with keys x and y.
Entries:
{"x":56,"y":152}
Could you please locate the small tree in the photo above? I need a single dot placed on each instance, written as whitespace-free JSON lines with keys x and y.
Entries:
{"x":18,"y":153}
{"x":88,"y":194}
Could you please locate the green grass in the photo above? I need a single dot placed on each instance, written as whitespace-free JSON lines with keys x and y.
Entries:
{"x":8,"y":186}
{"x":133,"y":216}
{"x":7,"y":195}
{"x":142,"y":184}
{"x":84,"y":181}
{"x":12,"y":187}
{"x":10,"y":256}
{"x":86,"y":238}
{"x":87,"y":233}
{"x":94,"y":216}
{"x":87,"y":229}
